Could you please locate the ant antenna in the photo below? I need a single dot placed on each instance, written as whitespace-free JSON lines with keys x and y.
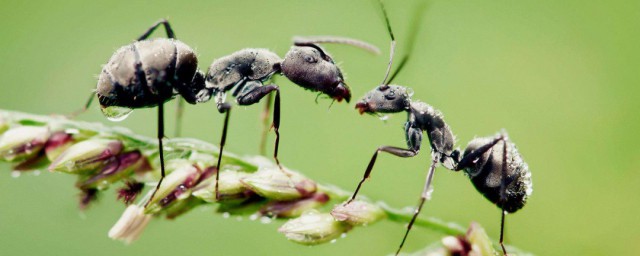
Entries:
{"x":393,"y":45}
{"x":299,"y":40}
{"x":413,"y":31}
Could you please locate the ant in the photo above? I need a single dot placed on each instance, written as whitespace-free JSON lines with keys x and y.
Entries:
{"x":422,"y":117}
{"x":244,"y":73}
{"x":504,"y":181}
{"x":497,"y":170}
{"x":147,"y":73}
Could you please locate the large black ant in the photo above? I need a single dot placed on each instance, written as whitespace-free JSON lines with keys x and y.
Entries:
{"x":503,"y":179}
{"x":244,"y":73}
{"x":147,"y":73}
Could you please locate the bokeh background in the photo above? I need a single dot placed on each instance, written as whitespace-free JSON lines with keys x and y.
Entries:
{"x":561,"y":76}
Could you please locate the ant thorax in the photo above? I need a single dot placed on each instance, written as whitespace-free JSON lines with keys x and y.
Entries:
{"x":440,"y":135}
{"x":247,"y":64}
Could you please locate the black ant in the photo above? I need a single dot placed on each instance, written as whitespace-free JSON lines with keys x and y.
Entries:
{"x":147,"y":73}
{"x":422,"y":117}
{"x":244,"y":73}
{"x":503,"y":179}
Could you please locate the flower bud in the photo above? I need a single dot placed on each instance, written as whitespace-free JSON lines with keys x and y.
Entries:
{"x":275,"y":184}
{"x":479,"y":240}
{"x":313,"y":228}
{"x":22,"y":142}
{"x":130,"y":225}
{"x":86,"y":156}
{"x":358,"y":213}
{"x":122,"y":166}
{"x":230,"y":188}
{"x":57,"y":143}
{"x":288,"y":209}
{"x":175,"y":186}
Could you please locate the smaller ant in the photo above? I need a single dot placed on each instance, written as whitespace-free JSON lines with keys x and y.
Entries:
{"x":422,"y":117}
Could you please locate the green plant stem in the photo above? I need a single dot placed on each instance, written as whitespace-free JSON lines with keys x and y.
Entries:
{"x":180,"y":146}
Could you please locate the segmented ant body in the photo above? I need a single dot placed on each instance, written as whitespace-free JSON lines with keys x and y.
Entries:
{"x":147,"y":73}
{"x":496,"y":169}
{"x":306,"y":64}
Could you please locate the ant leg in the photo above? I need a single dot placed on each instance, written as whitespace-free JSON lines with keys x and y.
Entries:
{"x":179,"y":112}
{"x":401,"y":152}
{"x":502,"y":232}
{"x":167,"y":28}
{"x":83,"y":109}
{"x":160,"y":150}
{"x":265,"y":124}
{"x":426,"y":195}
{"x":222,"y":108}
{"x":468,"y":159}
{"x":251,"y":94}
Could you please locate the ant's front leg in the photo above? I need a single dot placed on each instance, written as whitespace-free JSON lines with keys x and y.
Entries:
{"x":252,"y":93}
{"x":414,"y":138}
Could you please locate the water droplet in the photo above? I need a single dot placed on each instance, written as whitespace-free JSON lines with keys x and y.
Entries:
{"x":115,"y":113}
{"x":15,"y":174}
{"x":343,"y":235}
{"x":429,"y":192}
{"x":226,"y":215}
{"x":333,"y":241}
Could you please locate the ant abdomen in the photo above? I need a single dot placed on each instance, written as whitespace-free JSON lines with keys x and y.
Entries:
{"x":167,"y":64}
{"x":500,"y":173}
{"x":247,"y":64}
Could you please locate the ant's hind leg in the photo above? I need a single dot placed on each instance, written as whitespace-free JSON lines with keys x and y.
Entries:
{"x":167,"y":28}
{"x":222,"y":108}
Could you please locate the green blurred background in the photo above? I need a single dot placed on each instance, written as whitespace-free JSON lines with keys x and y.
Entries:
{"x":561,"y":76}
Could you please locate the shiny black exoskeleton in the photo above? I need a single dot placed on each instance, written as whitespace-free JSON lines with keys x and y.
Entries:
{"x":421,"y":117}
{"x":243,"y":73}
{"x":497,"y":170}
{"x":147,"y":73}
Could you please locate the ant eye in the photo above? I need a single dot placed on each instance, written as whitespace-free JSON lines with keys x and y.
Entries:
{"x":310,"y":59}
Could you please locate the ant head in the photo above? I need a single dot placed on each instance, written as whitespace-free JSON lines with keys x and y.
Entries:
{"x":310,"y":67}
{"x":385,"y":99}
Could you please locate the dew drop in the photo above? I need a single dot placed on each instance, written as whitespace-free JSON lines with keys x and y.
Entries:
{"x":115,"y":113}
{"x":15,"y":174}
